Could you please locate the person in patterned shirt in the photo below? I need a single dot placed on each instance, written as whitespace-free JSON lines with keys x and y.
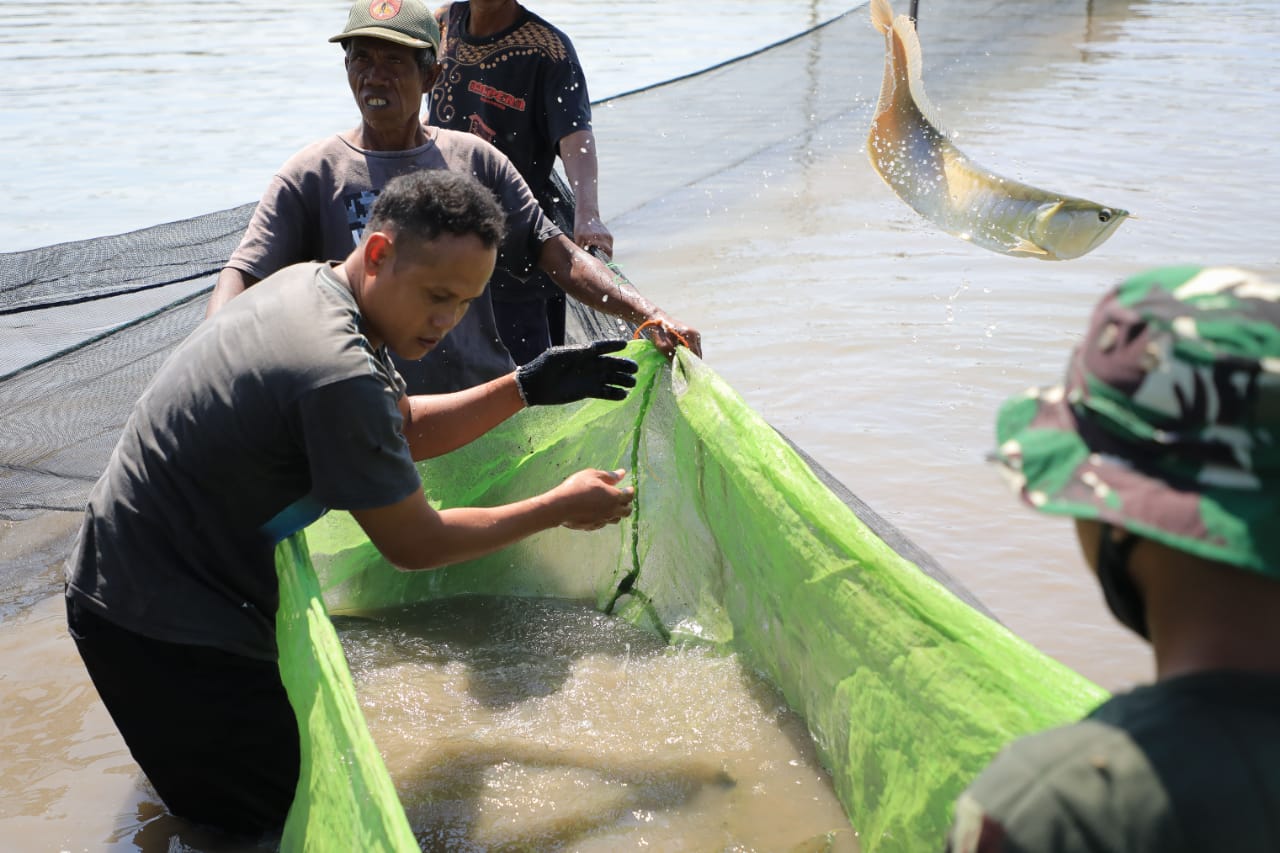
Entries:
{"x":316,"y":206}
{"x":1163,"y":444}
{"x":514,"y":80}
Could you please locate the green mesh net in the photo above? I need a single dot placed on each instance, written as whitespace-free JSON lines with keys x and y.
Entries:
{"x":907,"y":690}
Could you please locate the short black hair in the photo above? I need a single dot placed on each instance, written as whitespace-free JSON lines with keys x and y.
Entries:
{"x":431,"y":202}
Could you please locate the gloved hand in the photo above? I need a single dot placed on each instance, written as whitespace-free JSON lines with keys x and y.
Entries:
{"x":568,"y":374}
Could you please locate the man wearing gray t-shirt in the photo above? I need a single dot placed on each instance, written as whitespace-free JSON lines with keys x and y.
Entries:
{"x":316,"y":206}
{"x":281,"y":406}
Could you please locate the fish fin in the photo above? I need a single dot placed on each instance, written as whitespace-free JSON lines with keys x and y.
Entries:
{"x":881,"y":15}
{"x":1023,"y":246}
{"x":903,"y":62}
{"x":905,"y":32}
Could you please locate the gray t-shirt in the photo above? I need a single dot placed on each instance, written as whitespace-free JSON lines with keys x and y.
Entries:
{"x":273,"y":410}
{"x":316,"y":208}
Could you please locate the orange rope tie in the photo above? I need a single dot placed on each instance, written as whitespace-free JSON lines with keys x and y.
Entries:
{"x":664,"y":327}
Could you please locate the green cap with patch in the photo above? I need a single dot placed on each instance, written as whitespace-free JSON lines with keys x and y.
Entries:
{"x":1168,"y":422}
{"x":406,"y":22}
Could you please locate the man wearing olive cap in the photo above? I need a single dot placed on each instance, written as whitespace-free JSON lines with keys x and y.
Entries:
{"x":316,"y":206}
{"x":1163,"y":444}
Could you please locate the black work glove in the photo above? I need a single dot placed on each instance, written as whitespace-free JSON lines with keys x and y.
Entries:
{"x":568,"y":374}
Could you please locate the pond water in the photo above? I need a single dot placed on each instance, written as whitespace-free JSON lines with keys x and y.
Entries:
{"x":539,"y":724}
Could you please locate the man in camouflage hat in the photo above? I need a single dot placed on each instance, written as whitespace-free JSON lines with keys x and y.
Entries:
{"x":1164,"y":445}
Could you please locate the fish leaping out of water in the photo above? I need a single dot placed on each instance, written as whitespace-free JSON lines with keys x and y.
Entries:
{"x":939,"y":182}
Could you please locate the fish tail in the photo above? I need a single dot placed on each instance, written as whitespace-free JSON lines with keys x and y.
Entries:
{"x":908,"y":47}
{"x":882,"y":18}
{"x":881,"y":15}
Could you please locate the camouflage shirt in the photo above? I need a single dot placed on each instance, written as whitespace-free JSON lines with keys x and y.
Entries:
{"x":1188,"y":764}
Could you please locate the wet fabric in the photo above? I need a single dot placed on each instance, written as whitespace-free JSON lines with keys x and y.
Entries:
{"x":735,"y":542}
{"x":240,"y":773}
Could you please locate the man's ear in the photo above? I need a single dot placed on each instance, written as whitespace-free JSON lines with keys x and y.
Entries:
{"x":378,"y":250}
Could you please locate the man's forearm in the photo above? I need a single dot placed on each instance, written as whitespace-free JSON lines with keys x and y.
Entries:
{"x":602,"y":287}
{"x":578,"y":153}
{"x":593,"y":282}
{"x":231,"y":283}
{"x":435,"y":424}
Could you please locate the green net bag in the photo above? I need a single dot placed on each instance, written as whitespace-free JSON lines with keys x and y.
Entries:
{"x":735,"y":542}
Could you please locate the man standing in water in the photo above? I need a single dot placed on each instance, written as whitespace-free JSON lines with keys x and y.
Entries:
{"x":281,"y":406}
{"x":1164,"y":445}
{"x":317,"y":205}
{"x":514,"y":80}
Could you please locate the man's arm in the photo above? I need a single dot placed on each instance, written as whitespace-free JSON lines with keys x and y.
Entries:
{"x":591,"y":282}
{"x":578,"y":153}
{"x":434,"y":424}
{"x":283,"y":230}
{"x":577,"y":273}
{"x":414,"y":536}
{"x":230,"y":284}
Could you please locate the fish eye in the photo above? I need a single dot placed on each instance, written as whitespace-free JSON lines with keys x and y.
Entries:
{"x":1104,"y":215}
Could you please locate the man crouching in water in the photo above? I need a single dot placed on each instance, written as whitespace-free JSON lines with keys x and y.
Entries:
{"x":283,"y":405}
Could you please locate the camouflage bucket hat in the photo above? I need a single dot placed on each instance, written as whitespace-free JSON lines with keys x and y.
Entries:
{"x":1168,"y":422}
{"x":406,"y":22}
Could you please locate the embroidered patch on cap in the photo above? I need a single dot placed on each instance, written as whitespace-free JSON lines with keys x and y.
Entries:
{"x":384,"y":10}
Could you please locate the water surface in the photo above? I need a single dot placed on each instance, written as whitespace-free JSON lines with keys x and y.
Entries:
{"x":536,"y":724}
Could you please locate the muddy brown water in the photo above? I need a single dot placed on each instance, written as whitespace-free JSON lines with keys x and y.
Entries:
{"x":536,"y":724}
{"x":506,"y":724}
